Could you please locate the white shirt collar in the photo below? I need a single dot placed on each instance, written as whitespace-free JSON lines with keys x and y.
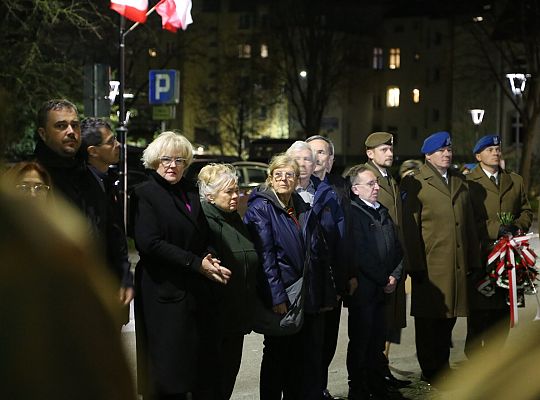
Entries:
{"x":489,"y":174}
{"x":375,"y":205}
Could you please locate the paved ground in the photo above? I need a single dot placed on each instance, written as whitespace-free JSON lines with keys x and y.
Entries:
{"x":402,"y":357}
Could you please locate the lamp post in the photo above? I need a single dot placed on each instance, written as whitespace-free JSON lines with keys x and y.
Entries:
{"x":477,"y":115}
{"x":517,"y":84}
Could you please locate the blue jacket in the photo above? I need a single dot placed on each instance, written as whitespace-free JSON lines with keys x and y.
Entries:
{"x":281,"y":245}
{"x":330,"y":213}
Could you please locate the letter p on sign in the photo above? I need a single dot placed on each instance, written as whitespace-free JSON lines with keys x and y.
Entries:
{"x":164,"y":86}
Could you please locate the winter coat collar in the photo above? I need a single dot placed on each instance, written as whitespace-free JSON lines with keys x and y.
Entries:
{"x":179,"y":191}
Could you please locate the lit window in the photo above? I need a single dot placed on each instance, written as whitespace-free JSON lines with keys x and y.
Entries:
{"x":377,"y":58}
{"x":244,"y":51}
{"x":264,"y":51}
{"x":392,"y":96}
{"x":394,"y":58}
{"x":416,"y":95}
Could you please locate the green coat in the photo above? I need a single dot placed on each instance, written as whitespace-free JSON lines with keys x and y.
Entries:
{"x":232,"y":243}
{"x":441,"y":242}
{"x":395,"y":306}
{"x":488,"y":200}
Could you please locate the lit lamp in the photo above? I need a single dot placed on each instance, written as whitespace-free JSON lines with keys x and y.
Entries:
{"x":477,"y":115}
{"x":517,"y":84}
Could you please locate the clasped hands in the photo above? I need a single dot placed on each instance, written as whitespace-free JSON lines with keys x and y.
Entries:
{"x":212,"y":269}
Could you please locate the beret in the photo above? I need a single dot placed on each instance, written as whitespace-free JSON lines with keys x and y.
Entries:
{"x":435,"y":141}
{"x":486,"y":141}
{"x":378,"y":138}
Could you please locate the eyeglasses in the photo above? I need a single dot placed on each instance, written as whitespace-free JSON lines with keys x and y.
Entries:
{"x":370,"y":184}
{"x":39,"y":189}
{"x":167,"y":161}
{"x":112,"y":140}
{"x":279,"y":176}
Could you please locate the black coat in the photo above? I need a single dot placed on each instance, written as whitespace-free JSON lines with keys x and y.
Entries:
{"x":175,"y":306}
{"x":72,"y":179}
{"x":377,"y":253}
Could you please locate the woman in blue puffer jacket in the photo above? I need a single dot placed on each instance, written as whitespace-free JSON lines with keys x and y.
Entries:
{"x":280,"y":221}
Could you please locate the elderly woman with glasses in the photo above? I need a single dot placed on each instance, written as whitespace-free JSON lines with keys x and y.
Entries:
{"x":177,"y":279}
{"x":281,"y":223}
{"x":218,"y":188}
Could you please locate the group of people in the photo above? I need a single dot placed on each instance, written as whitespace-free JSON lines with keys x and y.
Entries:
{"x":203,"y":267}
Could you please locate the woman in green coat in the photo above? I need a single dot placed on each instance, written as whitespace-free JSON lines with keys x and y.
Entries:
{"x":218,"y":188}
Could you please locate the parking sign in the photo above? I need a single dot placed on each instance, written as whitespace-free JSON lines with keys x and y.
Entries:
{"x":164,"y":86}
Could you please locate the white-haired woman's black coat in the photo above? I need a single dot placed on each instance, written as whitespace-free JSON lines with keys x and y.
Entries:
{"x":176,"y":307}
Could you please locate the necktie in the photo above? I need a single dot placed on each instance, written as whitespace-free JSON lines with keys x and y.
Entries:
{"x":494,"y":180}
{"x":291,"y":213}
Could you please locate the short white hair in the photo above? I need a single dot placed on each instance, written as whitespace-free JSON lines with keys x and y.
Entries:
{"x":167,"y":143}
{"x":215,"y":177}
{"x":300,"y":146}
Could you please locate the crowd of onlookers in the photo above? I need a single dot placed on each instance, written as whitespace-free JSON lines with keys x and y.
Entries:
{"x":205,"y":271}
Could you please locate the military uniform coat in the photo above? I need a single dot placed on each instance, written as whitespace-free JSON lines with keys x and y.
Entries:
{"x":488,"y":200}
{"x":395,"y":303}
{"x":441,"y":242}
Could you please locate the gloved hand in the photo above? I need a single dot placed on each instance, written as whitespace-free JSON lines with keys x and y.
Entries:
{"x":485,"y":286}
{"x":511,"y":229}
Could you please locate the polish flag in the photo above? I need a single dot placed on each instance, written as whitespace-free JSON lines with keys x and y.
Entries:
{"x":134,"y":10}
{"x":175,"y":14}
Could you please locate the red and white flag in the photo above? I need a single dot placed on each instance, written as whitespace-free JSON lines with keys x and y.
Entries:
{"x":134,"y":10}
{"x":175,"y":14}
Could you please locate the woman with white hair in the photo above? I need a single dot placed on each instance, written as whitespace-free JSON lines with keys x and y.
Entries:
{"x":177,"y":278}
{"x":218,"y":188}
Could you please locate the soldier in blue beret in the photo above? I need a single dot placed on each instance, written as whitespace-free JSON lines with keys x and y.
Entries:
{"x":493,"y":191}
{"x":442,"y":247}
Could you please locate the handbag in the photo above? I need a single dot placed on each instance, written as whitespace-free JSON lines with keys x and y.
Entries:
{"x":267,"y":322}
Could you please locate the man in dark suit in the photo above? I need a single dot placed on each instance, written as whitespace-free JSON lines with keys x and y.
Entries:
{"x":101,"y":150}
{"x":377,"y":256}
{"x":380,"y":151}
{"x":493,"y":191}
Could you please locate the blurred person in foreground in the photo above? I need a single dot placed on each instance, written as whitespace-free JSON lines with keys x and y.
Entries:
{"x":332,"y":207}
{"x":218,"y":189}
{"x":29,"y":178}
{"x":59,"y":336}
{"x":439,"y":260}
{"x":100,"y":150}
{"x":377,"y":256}
{"x":493,"y":191}
{"x":508,"y":372}
{"x":282,"y":227}
{"x":177,"y":279}
{"x":380,"y":152}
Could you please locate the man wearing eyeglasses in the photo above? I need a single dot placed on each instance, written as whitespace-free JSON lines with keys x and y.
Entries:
{"x":377,"y":255}
{"x":442,"y":249}
{"x":101,"y":150}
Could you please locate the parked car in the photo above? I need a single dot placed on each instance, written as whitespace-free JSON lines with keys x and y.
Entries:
{"x":250,"y":175}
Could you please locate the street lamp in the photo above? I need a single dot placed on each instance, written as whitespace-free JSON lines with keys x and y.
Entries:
{"x":477,"y":115}
{"x":517,"y":84}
